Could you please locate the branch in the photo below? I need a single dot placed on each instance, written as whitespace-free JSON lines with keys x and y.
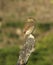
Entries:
{"x":26,"y":51}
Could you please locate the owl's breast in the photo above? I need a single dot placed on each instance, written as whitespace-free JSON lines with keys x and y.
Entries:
{"x":29,"y":31}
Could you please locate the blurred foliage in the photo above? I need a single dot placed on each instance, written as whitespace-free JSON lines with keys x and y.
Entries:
{"x":43,"y":54}
{"x":12,"y":14}
{"x":9,"y":56}
{"x":13,"y":24}
{"x":12,"y":35}
{"x":44,"y":26}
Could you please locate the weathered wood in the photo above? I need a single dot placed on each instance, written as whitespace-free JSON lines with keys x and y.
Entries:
{"x":26,"y":51}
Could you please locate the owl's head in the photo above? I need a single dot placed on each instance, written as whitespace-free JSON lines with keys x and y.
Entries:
{"x":31,"y":20}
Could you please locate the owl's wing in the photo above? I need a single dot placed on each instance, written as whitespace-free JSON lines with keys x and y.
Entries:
{"x":26,"y":51}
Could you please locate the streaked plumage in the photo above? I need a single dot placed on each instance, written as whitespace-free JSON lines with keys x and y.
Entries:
{"x":29,"y":26}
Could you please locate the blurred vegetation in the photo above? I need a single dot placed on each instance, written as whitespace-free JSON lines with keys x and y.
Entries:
{"x":44,"y":26}
{"x":9,"y":55}
{"x":12,"y":16}
{"x":13,"y":24}
{"x":43,"y":54}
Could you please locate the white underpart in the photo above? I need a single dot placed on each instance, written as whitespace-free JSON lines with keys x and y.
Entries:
{"x":31,"y":36}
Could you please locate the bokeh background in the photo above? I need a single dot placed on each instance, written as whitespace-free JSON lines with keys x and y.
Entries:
{"x":13,"y":14}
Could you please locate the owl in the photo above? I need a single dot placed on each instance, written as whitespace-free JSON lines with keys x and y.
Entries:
{"x":29,"y":45}
{"x":29,"y":26}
